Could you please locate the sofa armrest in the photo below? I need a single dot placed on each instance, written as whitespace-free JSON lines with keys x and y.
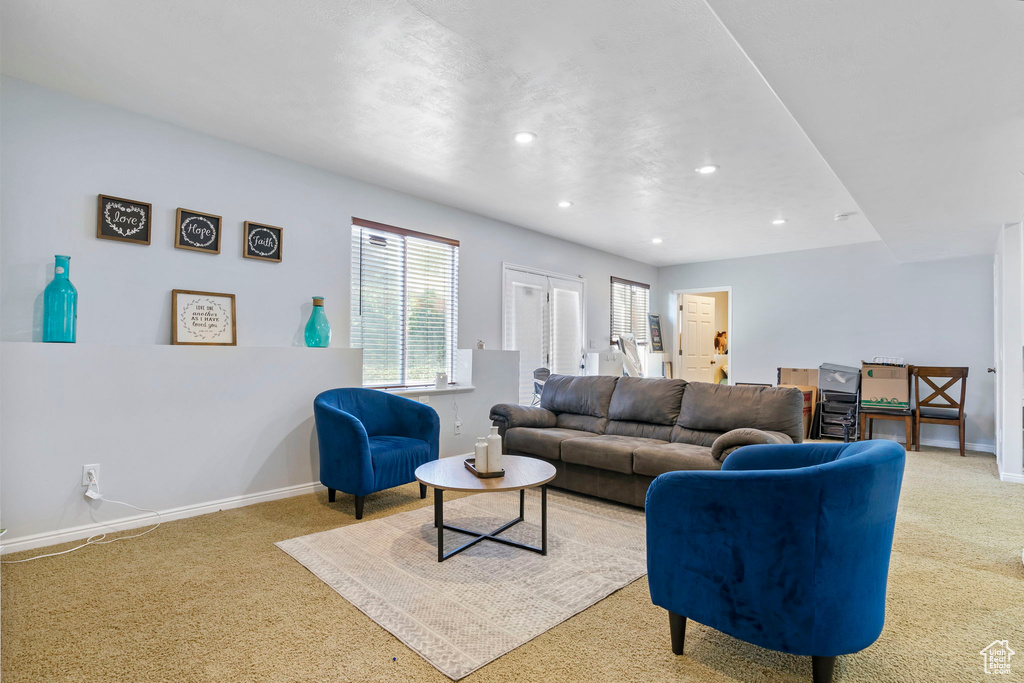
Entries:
{"x":509,"y":415}
{"x":737,"y":438}
{"x":783,"y":456}
{"x":344,"y":448}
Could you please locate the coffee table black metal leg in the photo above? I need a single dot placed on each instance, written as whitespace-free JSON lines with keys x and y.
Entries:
{"x":544,"y":519}
{"x":492,"y":536}
{"x":439,"y":521}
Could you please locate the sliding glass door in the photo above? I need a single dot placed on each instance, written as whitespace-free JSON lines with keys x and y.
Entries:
{"x":544,"y":321}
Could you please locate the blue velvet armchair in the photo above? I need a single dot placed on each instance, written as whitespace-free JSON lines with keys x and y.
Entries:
{"x":371,"y":440}
{"x":787,"y":547}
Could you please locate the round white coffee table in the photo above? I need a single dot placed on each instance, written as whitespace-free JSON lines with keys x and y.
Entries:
{"x":521,"y":473}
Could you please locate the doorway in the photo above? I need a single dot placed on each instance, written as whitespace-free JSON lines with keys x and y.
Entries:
{"x":704,"y":344}
{"x":544,"y":318}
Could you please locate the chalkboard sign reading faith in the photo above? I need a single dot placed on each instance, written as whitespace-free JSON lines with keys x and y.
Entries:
{"x":197,"y":231}
{"x":262,"y":242}
{"x":203,"y":318}
{"x":124,"y":220}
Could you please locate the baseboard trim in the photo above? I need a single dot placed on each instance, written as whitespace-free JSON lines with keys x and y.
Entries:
{"x":943,"y":443}
{"x":141,"y":520}
{"x":1011,"y":477}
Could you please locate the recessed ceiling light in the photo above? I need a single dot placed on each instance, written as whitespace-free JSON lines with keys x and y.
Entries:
{"x":564,"y":204}
{"x":707,"y":168}
{"x":778,"y":221}
{"x":524,"y":137}
{"x":656,"y":240}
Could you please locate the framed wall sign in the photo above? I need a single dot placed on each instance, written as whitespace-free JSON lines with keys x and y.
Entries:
{"x":206,"y":318}
{"x":262,"y":242}
{"x":657,"y":344}
{"x":197,"y":231}
{"x":124,"y":220}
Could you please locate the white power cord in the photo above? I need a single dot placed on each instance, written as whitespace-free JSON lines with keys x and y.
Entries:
{"x":97,"y":539}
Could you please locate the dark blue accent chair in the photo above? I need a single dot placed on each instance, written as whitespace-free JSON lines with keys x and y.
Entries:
{"x":371,"y":440}
{"x":787,"y":547}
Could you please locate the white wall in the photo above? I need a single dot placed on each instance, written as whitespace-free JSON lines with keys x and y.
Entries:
{"x":494,"y":376}
{"x":59,"y":152}
{"x":171,"y":427}
{"x":847,"y":304}
{"x":721,"y":310}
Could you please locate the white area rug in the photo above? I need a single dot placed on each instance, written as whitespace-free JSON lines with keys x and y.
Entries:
{"x":474,"y":607}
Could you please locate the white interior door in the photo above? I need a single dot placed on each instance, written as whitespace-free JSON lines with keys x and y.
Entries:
{"x":696,"y":338}
{"x":544,"y":321}
{"x":997,"y":300}
{"x":566,"y":325}
{"x":1009,"y":365}
{"x":525,"y":314}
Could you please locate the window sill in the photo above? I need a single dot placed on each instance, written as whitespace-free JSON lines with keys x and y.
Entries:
{"x":432,"y":391}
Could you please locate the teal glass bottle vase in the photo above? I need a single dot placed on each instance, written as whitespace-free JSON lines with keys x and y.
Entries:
{"x":318,"y":330}
{"x":60,"y":305}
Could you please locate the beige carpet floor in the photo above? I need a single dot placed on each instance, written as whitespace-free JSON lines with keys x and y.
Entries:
{"x":212,"y":599}
{"x":465,"y":612}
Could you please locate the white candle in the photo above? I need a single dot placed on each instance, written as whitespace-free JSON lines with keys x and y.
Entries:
{"x":494,"y":451}
{"x":480,"y":454}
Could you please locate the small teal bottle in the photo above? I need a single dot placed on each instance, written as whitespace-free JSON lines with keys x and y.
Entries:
{"x":318,"y":330}
{"x":60,"y":305}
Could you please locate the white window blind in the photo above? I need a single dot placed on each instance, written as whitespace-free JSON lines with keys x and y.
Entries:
{"x":630,"y":305}
{"x":404,"y":304}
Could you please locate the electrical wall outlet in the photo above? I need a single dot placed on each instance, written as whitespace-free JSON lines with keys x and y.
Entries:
{"x":86,"y":469}
{"x":458,"y":428}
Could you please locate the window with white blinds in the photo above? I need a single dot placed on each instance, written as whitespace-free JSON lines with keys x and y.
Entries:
{"x":405,"y":292}
{"x":631,"y":302}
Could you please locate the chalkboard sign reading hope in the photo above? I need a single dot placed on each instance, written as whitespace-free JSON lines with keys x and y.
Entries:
{"x":197,"y":231}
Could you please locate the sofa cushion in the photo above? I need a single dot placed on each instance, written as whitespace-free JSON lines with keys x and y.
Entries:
{"x":722,"y":408}
{"x":586,"y":423}
{"x":544,"y":443}
{"x":655,"y":460}
{"x":637,"y":399}
{"x":697,"y":437}
{"x":580,"y":395}
{"x":608,"y":452}
{"x":645,"y":430}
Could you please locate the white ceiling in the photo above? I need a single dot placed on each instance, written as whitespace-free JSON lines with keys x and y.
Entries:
{"x":918,"y":106}
{"x":627,"y":98}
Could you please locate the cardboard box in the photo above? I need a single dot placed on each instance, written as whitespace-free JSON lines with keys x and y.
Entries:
{"x":885,"y":387}
{"x":798,"y":377}
{"x":810,"y":400}
{"x":833,"y":377}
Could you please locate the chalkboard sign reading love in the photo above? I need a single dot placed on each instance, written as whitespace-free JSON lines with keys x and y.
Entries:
{"x":262,"y":242}
{"x":124,"y":220}
{"x":197,"y":231}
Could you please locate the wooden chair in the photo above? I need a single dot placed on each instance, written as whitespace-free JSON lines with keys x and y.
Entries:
{"x":869,"y":415}
{"x":938,"y":407}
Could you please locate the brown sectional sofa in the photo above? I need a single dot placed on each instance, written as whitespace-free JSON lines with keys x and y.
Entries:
{"x":611,"y":436}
